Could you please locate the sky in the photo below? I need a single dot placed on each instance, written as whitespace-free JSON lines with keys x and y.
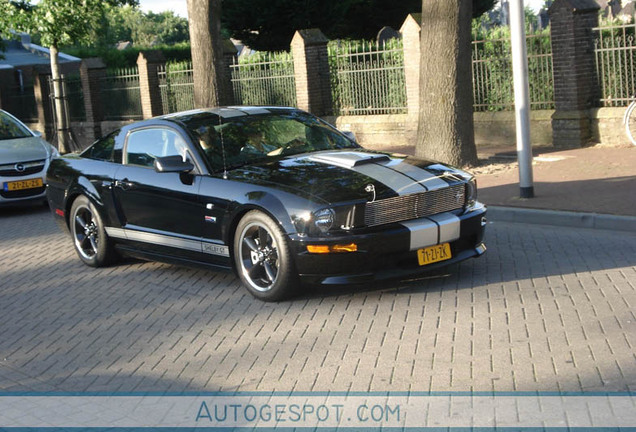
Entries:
{"x":179,"y":6}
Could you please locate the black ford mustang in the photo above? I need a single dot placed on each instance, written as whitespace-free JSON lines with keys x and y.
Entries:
{"x":274,"y":193}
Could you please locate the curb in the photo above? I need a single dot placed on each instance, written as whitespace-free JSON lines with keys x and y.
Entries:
{"x":562,"y":218}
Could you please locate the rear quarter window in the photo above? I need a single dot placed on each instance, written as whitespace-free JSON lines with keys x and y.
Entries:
{"x":102,"y":149}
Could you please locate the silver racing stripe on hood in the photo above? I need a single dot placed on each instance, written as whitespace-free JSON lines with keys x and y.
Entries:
{"x":426,"y":178}
{"x":402,"y":177}
{"x":397,"y":181}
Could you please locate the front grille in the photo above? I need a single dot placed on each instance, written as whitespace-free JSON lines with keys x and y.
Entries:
{"x":29,"y":168}
{"x":415,"y":206}
{"x":22,"y":193}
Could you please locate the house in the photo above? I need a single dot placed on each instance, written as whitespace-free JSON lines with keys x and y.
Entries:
{"x":21,"y":61}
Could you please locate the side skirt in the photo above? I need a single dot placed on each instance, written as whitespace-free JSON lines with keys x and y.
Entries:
{"x":149,"y":256}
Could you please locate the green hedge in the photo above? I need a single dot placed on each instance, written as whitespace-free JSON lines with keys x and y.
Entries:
{"x":116,"y":59}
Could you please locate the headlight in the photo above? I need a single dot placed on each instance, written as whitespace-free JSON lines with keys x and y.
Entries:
{"x":323,"y":219}
{"x":54,"y":153}
{"x":471,"y":192}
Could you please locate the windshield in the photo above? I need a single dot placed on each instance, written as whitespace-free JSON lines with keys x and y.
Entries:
{"x":10,"y":129}
{"x":255,"y":138}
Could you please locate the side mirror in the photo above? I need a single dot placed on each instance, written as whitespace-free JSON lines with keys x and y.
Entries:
{"x":37,"y":134}
{"x":350,"y":135}
{"x":172,"y":164}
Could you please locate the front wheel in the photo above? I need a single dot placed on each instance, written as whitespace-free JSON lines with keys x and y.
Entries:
{"x":89,"y":236}
{"x":262,"y":258}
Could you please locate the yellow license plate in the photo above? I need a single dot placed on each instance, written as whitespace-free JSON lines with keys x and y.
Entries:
{"x":23,"y":184}
{"x":434,"y":254}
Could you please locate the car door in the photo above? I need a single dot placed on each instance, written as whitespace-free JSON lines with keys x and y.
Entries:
{"x":159,"y":211}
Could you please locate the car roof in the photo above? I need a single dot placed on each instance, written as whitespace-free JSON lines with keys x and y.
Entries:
{"x":228,"y":112}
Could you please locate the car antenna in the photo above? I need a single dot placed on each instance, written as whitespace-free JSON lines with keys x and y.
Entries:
{"x":222,"y":145}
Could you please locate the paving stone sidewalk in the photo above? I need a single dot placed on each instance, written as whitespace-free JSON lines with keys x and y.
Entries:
{"x":547,"y":308}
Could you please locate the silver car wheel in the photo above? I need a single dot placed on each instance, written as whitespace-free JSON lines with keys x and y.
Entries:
{"x":85,"y":232}
{"x":258,"y":252}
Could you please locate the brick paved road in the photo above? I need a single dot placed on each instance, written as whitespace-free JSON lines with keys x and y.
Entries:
{"x":545,"y":309}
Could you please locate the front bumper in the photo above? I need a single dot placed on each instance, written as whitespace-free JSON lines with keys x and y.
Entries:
{"x":8,"y":197}
{"x":384,"y":253}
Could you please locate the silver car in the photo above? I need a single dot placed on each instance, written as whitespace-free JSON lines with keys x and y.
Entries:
{"x":24,"y":159}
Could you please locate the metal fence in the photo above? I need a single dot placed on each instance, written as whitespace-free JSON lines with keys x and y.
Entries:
{"x":492,"y":73}
{"x":121,"y":95}
{"x":22,"y":102}
{"x":615,"y":60}
{"x":367,"y":78}
{"x":75,"y":97}
{"x":177,"y":87}
{"x":264,"y":79}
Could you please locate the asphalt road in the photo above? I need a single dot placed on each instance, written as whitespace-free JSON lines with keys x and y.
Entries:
{"x":546,"y":309}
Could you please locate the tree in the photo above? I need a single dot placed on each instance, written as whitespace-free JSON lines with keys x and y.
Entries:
{"x":58,"y":22}
{"x":445,"y":127}
{"x":269,"y":25}
{"x":129,"y":23}
{"x":210,"y":81}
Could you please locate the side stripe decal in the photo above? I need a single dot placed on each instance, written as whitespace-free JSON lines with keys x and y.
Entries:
{"x":168,"y":240}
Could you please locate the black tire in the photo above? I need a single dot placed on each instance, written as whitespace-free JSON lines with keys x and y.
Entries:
{"x":90,"y":240}
{"x":262,"y":258}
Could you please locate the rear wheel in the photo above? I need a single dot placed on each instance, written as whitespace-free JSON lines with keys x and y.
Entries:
{"x":89,"y":236}
{"x":262,"y":257}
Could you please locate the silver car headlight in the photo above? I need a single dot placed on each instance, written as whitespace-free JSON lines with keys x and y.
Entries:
{"x":324,"y":219}
{"x":54,"y":153}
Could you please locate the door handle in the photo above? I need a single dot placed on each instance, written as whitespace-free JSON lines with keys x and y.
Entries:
{"x":124,"y":184}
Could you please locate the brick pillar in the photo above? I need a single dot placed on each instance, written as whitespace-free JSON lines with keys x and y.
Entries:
{"x":410,"y":31}
{"x":575,"y":82}
{"x":7,"y":79}
{"x":311,"y":68}
{"x":42,"y":93}
{"x":92,"y":70}
{"x":148,"y":64}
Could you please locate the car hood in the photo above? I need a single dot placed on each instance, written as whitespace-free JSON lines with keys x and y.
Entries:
{"x":349,"y":175}
{"x":23,"y":149}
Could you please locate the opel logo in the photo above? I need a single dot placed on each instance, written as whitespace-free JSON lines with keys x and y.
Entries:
{"x":19,"y":167}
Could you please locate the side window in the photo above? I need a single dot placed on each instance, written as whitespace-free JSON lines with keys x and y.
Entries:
{"x":102,"y":149}
{"x":147,"y":144}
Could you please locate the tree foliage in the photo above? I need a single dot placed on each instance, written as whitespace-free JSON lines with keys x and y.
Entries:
{"x":269,"y":25}
{"x":57,"y":22}
{"x":129,"y":23}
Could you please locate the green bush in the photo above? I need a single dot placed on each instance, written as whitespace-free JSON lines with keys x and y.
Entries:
{"x":492,"y":69}
{"x":116,"y":59}
{"x":367,"y":78}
